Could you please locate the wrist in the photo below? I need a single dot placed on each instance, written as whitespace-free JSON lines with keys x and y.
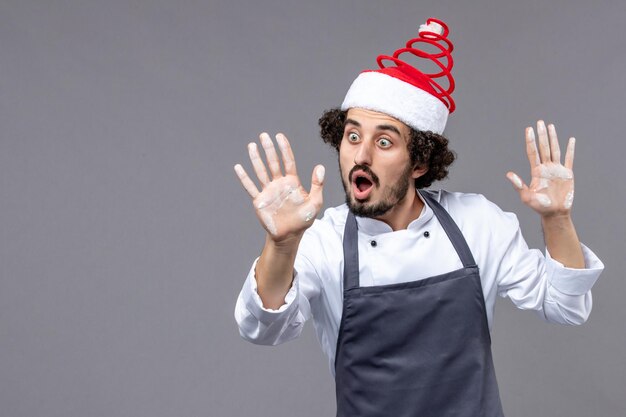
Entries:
{"x":285,"y":247}
{"x":556,"y":219}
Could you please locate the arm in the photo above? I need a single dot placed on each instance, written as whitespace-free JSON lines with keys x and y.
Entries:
{"x":551,"y":193}
{"x":285,"y":210}
{"x":533,"y":281}
{"x":274,"y":271}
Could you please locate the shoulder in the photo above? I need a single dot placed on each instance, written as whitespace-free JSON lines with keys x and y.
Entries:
{"x":464,"y":202}
{"x":474,"y":209}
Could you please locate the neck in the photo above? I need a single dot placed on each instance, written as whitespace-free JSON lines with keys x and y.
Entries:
{"x":403,"y":213}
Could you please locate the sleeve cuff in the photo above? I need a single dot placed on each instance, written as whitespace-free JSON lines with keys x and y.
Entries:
{"x":573,"y":281}
{"x":254,"y":304}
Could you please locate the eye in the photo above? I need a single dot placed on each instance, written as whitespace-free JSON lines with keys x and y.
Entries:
{"x":353,"y":137}
{"x":384,"y":142}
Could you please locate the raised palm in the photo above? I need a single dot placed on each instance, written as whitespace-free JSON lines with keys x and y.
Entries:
{"x":283,"y":206}
{"x":551,"y":189}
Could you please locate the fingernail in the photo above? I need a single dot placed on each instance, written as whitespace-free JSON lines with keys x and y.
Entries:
{"x":266,"y":141}
{"x":531,"y":133}
{"x":282,"y":143}
{"x":541,"y":126}
{"x":320,"y":172}
{"x":517,"y":181}
{"x":239,"y":170}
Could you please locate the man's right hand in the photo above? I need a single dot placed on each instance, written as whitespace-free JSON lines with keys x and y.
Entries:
{"x":283,"y":206}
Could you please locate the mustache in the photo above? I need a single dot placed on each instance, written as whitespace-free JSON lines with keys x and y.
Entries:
{"x":365,"y":169}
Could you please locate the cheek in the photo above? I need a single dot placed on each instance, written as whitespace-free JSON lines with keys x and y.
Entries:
{"x":343,"y":148}
{"x":346,"y":157}
{"x":398,"y":168}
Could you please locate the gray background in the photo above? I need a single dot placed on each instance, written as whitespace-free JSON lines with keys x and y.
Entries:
{"x":125,"y":236}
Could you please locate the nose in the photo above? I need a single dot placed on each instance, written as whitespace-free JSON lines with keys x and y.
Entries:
{"x":363,"y":155}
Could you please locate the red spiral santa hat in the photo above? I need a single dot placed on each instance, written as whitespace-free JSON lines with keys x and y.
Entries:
{"x":403,"y":91}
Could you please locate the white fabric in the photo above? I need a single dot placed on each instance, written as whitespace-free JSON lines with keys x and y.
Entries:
{"x":507,"y":268}
{"x":433,"y":27}
{"x":407,"y":103}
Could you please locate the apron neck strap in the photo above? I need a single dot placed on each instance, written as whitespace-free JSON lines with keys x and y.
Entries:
{"x":451,"y":229}
{"x":350,"y":253}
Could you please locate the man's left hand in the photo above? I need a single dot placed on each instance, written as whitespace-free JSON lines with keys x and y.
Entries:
{"x":551,"y":189}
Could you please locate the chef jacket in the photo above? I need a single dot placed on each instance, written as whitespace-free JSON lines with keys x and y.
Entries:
{"x":508,"y":268}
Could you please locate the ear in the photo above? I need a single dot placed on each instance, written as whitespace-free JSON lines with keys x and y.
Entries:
{"x":418,"y":171}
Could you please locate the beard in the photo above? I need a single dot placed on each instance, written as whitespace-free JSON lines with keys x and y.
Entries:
{"x":391,"y":196}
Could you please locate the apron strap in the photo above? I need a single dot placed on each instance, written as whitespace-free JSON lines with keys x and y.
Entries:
{"x":451,"y":229}
{"x":350,"y":253}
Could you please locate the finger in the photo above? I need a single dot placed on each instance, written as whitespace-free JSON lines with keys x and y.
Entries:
{"x":270,"y":155}
{"x":285,"y":150}
{"x":527,"y":196}
{"x":317,"y":185}
{"x":257,"y":163}
{"x":555,"y":150}
{"x":516,"y":181}
{"x":246,"y":181}
{"x":531,"y":148}
{"x":544,"y":145}
{"x":569,"y":153}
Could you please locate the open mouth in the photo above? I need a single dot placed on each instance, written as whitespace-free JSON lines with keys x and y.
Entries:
{"x":362,"y":185}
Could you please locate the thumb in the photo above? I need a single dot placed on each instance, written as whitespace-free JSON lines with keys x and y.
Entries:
{"x":516,"y":181}
{"x":317,"y":185}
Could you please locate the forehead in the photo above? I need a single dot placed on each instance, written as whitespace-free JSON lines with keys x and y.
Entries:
{"x":371,"y":119}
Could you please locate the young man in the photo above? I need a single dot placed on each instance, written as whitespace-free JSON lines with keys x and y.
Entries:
{"x":401,"y":282}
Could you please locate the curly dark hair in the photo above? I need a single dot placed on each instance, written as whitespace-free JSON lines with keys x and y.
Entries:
{"x":425,"y":147}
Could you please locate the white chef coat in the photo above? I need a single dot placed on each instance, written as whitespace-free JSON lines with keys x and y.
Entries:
{"x":507,"y":268}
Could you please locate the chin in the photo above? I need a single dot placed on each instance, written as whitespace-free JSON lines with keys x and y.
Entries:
{"x":368,"y":209}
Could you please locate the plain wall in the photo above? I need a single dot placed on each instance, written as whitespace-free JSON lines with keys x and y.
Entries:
{"x":125,"y":235}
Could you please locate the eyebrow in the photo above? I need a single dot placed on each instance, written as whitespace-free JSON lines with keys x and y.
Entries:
{"x":389,"y":127}
{"x":379,"y":127}
{"x":352,"y":122}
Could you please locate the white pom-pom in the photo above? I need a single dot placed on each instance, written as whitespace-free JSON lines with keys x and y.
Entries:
{"x":432,"y":27}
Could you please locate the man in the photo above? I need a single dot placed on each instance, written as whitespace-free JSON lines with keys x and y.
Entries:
{"x":401,"y":282}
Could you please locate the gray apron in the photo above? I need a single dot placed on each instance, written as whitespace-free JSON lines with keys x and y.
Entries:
{"x":419,"y":348}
